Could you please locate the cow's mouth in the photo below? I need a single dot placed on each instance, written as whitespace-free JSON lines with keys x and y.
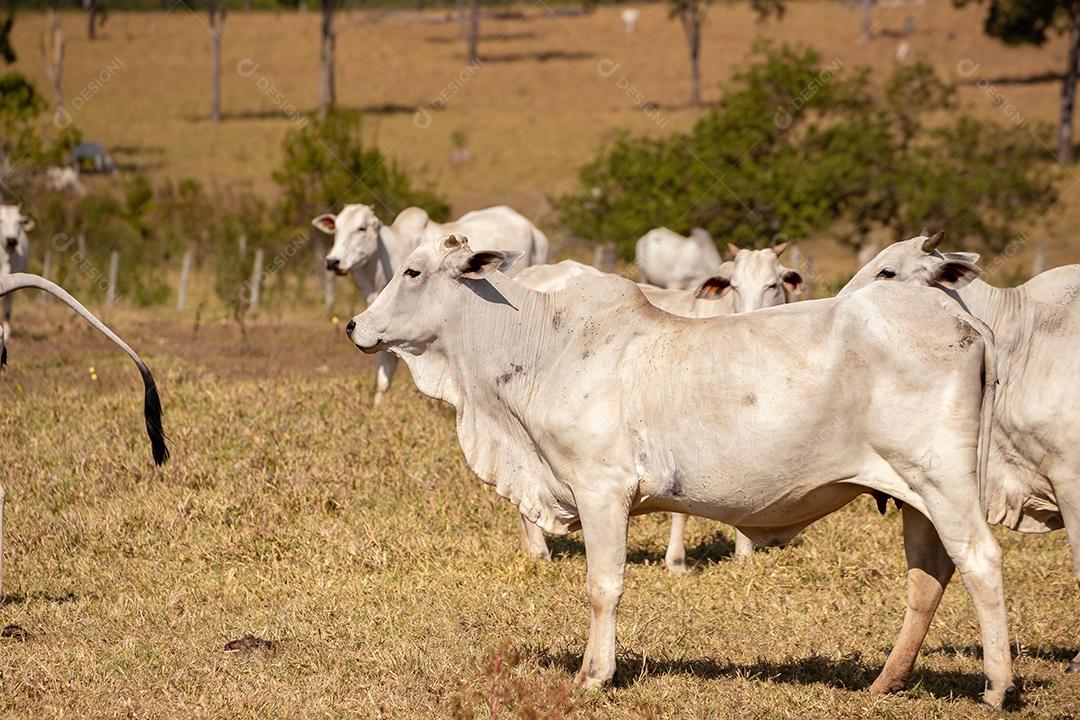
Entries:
{"x":341,"y":271}
{"x":379,"y":346}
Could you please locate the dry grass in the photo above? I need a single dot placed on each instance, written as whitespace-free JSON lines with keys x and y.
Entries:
{"x":535,"y":111}
{"x":389,"y":579}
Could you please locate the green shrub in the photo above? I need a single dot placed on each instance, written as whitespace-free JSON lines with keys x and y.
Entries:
{"x":797,"y":145}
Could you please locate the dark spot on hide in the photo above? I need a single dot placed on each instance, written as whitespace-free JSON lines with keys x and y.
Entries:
{"x":750,"y":398}
{"x":556,"y":320}
{"x":509,"y":374}
{"x":678,"y":562}
{"x":676,"y":489}
{"x":968,"y":334}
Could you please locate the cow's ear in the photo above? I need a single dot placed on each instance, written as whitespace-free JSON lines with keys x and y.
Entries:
{"x":793,"y":283}
{"x":27,"y":223}
{"x":779,"y":249}
{"x":480,"y":264}
{"x":733,"y":249}
{"x":972,"y":258}
{"x":326,"y":222}
{"x":954,"y":274}
{"x":713,"y":287}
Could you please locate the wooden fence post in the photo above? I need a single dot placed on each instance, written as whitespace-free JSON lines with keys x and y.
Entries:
{"x":604,"y":257}
{"x":1039,"y":263}
{"x":185,"y":275}
{"x":114,"y":270}
{"x":256,"y":280}
{"x":328,"y":289}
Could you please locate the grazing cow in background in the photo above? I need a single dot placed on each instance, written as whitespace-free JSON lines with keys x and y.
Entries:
{"x":587,"y":406}
{"x":669,"y":260}
{"x":15,"y":253}
{"x":1034,"y":466}
{"x":371,"y":251}
{"x":755,"y":279}
{"x":629,"y":18}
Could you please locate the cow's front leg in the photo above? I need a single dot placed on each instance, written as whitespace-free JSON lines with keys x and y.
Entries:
{"x":385,"y":375}
{"x":929,"y":571}
{"x":603,"y":521}
{"x":744,"y":546}
{"x":533,"y":541}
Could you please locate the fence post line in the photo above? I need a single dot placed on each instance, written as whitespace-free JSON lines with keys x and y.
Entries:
{"x":808,"y":283}
{"x":82,"y":246}
{"x":604,"y":257}
{"x":185,"y":275}
{"x":241,"y":243}
{"x":328,"y":289}
{"x":114,"y":270}
{"x":256,"y":280}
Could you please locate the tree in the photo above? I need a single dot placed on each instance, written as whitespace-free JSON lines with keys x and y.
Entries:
{"x":1018,"y":22}
{"x":691,"y":14}
{"x":52,"y":56}
{"x":94,"y":17}
{"x":327,"y":47}
{"x":797,"y":147}
{"x":217,"y":10}
{"x":474,"y":30}
{"x":326,"y":164}
{"x":7,"y":50}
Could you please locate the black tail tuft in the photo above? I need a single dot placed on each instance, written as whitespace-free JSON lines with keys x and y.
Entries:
{"x":152,"y":411}
{"x":3,"y":356}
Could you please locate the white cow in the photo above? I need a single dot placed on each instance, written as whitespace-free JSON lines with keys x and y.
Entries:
{"x":1034,"y":471}
{"x":587,"y":406}
{"x":371,"y":251}
{"x":15,"y":253}
{"x":669,"y":260}
{"x":755,"y":279}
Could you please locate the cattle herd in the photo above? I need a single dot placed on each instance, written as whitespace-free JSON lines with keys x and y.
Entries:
{"x":585,"y":398}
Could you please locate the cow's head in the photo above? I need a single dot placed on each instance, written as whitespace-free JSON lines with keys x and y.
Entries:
{"x":356,"y":237}
{"x":413,"y":310}
{"x":13,"y":228}
{"x":918,"y":262}
{"x":755,"y":280}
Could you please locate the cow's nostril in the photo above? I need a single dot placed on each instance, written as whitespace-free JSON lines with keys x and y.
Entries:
{"x":350,"y":327}
{"x":332,"y":264}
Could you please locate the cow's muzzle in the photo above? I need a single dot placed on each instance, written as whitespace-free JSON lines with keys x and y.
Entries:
{"x":334,"y":266}
{"x":12,"y":243}
{"x":362,"y":343}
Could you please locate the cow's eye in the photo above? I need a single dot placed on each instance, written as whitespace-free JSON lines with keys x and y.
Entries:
{"x":887,"y":274}
{"x":771,"y":287}
{"x":409,"y":272}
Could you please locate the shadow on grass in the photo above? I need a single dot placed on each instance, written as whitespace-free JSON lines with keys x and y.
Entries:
{"x":492,"y":37}
{"x":1033,"y":79}
{"x":1051,"y":653}
{"x":389,"y":108}
{"x":713,"y":549}
{"x":849,"y":672}
{"x":540,"y":56}
{"x":39,"y":596}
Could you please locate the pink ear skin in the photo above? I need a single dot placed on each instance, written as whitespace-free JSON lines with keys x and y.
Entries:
{"x":713,"y":287}
{"x":954,"y":274}
{"x":326,"y":222}
{"x":793,"y":283}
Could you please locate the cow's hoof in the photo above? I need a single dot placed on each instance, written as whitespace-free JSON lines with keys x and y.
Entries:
{"x":994,"y":700}
{"x":1073,"y":667}
{"x":888,"y":685}
{"x":539,"y":556}
{"x":589,"y":683}
{"x":676,"y":567}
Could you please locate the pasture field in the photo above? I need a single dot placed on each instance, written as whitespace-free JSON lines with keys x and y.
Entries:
{"x":550,"y":91}
{"x":388,"y":579}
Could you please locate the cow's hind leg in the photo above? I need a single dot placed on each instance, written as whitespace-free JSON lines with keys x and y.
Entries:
{"x":385,"y":375}
{"x":929,"y":570}
{"x":603,"y":522}
{"x":675,"y":557}
{"x":533,"y":541}
{"x":1068,"y":498}
{"x":967,"y":539}
{"x":744,"y":546}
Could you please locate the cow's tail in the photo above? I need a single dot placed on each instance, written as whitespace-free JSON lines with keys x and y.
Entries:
{"x":151,"y":400}
{"x":987,"y":494}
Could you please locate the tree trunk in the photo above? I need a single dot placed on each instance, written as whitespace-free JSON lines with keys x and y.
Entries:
{"x":864,"y":20}
{"x":217,"y":27}
{"x":327,"y":88}
{"x":474,"y":30}
{"x":1068,"y":88}
{"x":52,"y":52}
{"x":91,"y":18}
{"x":692,"y":15}
{"x":463,"y":29}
